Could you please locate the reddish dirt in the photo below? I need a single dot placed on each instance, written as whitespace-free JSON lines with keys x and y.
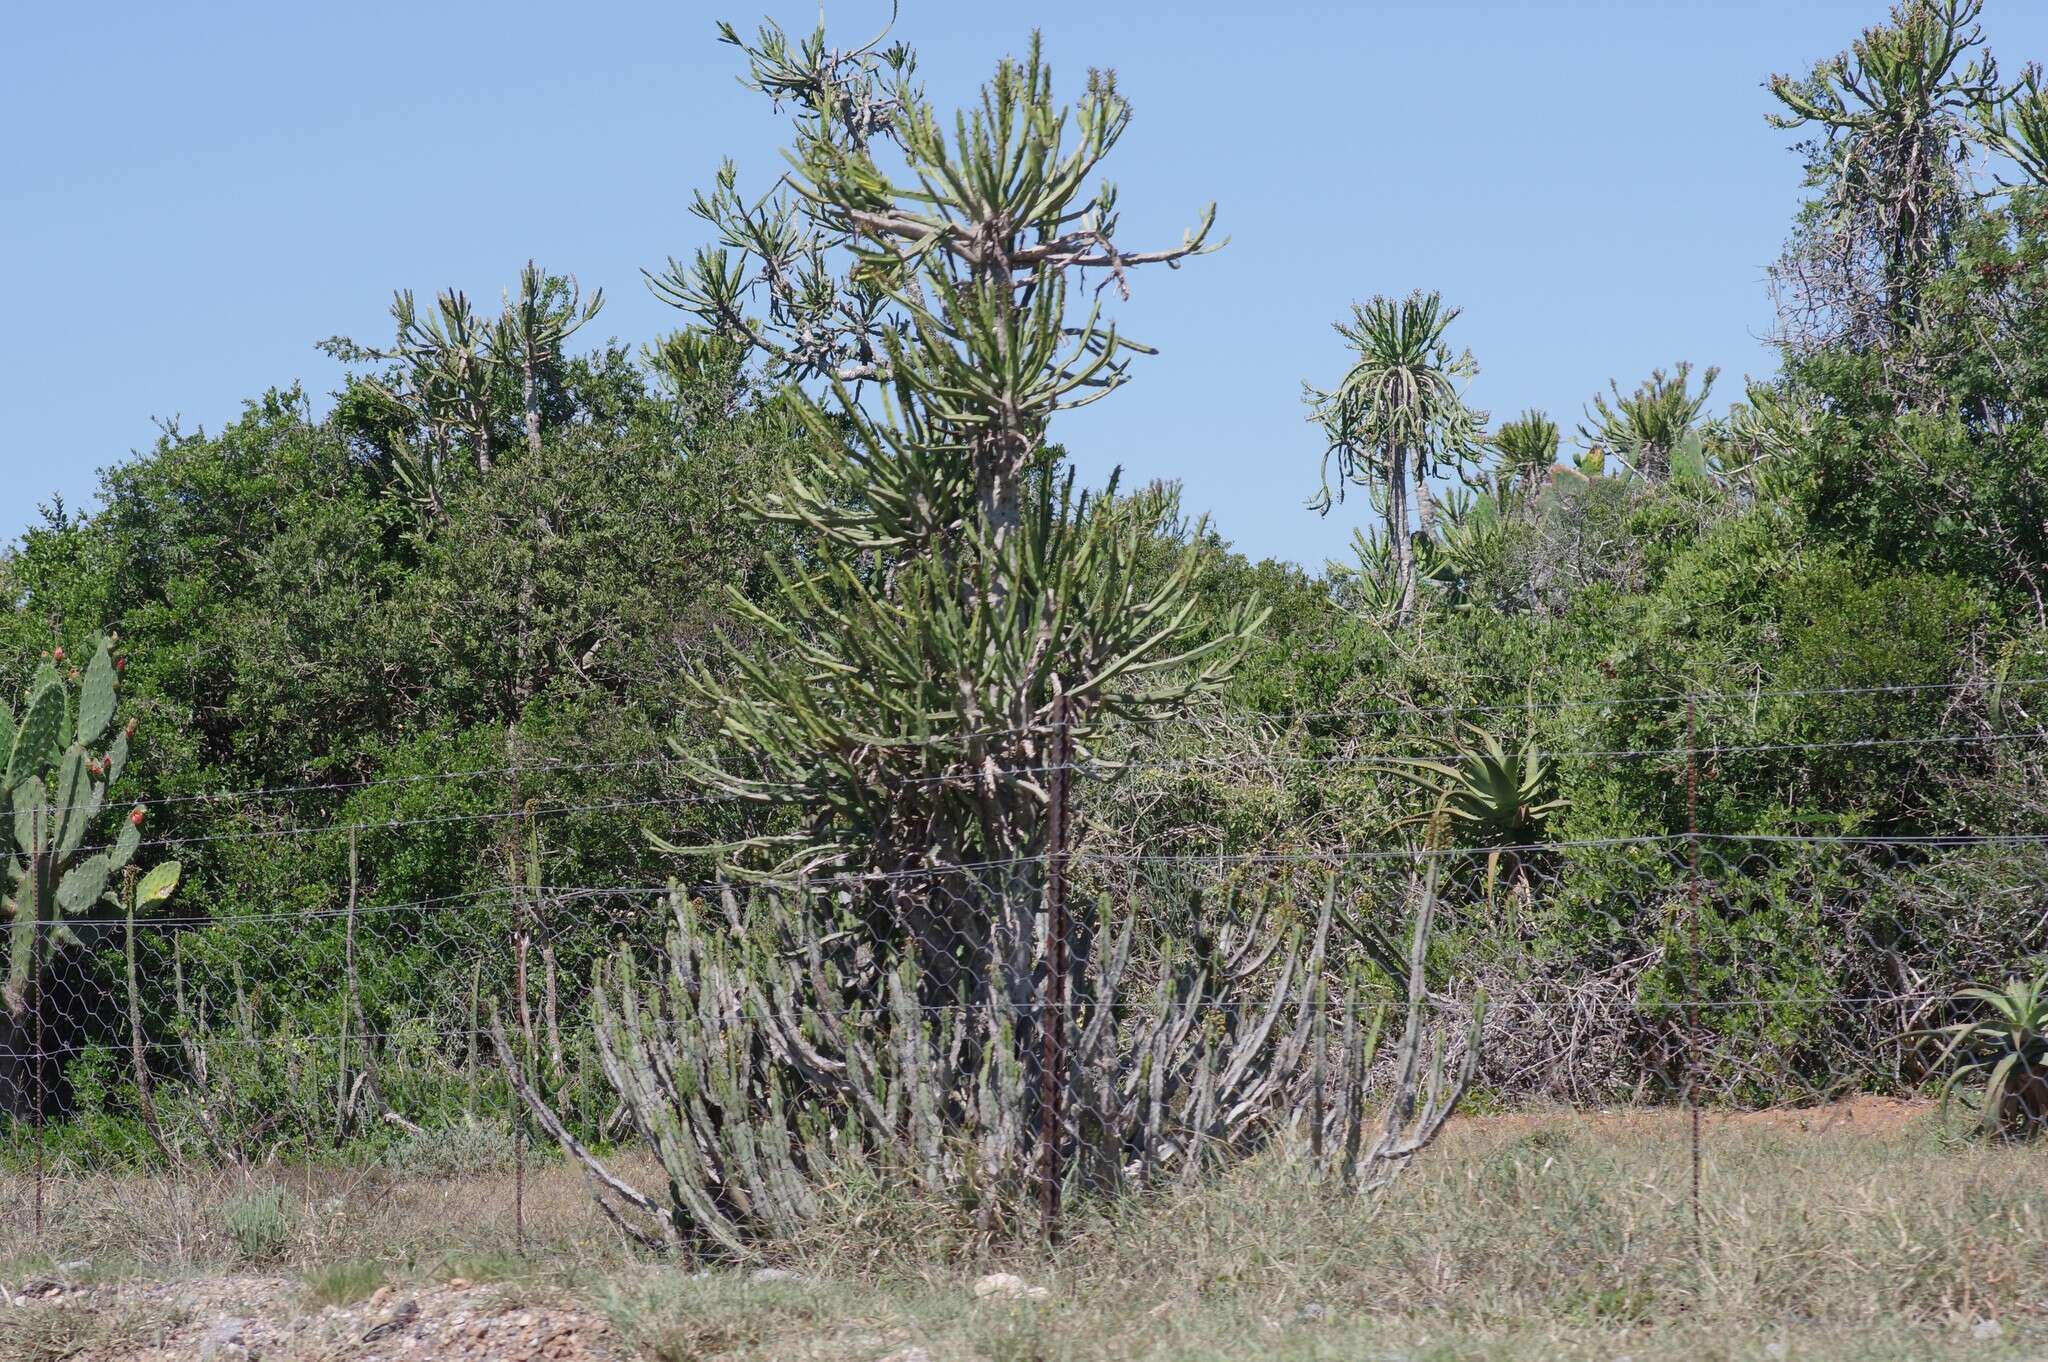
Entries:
{"x":1863,"y":1116}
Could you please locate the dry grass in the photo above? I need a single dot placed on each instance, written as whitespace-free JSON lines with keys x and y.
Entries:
{"x":296,"y":1218}
{"x":1525,"y":1237}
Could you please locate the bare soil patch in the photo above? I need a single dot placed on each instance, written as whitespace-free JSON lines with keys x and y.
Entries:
{"x":1858,"y":1116}
{"x":242,"y":1318}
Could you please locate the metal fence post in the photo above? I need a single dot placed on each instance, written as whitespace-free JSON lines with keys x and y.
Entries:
{"x":1052,"y":1075}
{"x":34,"y":910}
{"x":527,"y":877}
{"x":1692,"y":964}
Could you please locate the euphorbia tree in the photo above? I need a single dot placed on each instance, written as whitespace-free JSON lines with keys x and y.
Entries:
{"x":957,"y":613}
{"x":1528,"y":448}
{"x":1646,"y":427}
{"x":1892,"y":121}
{"x":901,"y":692}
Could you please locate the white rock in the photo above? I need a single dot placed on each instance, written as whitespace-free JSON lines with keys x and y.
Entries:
{"x":226,"y":1341}
{"x":775,"y":1274}
{"x":910,"y":1354}
{"x":1986,"y":1329}
{"x":1007,"y":1286}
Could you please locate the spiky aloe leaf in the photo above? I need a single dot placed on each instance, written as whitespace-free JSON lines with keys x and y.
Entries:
{"x":157,"y":885}
{"x":82,"y":885}
{"x":36,"y":740}
{"x":96,"y":695}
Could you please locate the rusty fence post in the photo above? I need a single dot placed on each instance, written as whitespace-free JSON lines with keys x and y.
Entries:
{"x":1053,"y":1029}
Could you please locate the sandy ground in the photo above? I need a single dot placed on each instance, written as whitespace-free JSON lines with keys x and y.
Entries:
{"x":60,"y":1314}
{"x":233,"y":1319}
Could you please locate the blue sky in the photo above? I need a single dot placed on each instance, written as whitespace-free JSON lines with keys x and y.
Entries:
{"x":196,"y":193}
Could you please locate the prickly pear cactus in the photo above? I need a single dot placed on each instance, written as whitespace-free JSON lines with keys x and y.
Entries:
{"x":59,"y":763}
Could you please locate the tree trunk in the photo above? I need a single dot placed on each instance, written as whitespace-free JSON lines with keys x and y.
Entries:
{"x":1425,"y":507}
{"x":1654,"y":463}
{"x":17,"y":1064}
{"x":78,"y":1008}
{"x":999,"y":478}
{"x":530,"y":391}
{"x":1397,"y":536}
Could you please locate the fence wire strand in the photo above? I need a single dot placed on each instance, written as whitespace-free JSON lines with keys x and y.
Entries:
{"x":1808,"y":965}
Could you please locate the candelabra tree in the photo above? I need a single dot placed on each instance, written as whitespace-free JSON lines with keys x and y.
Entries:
{"x":957,"y":628}
{"x":1890,"y":125}
{"x":900,"y":694}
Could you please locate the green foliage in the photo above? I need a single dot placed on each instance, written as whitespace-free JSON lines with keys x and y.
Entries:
{"x":1484,"y":795}
{"x":1893,"y":119}
{"x":853,"y":608}
{"x":342,"y":1283}
{"x":1955,"y":482}
{"x":289,"y":627}
{"x":453,"y":368}
{"x":2014,"y":123}
{"x":1528,"y":448}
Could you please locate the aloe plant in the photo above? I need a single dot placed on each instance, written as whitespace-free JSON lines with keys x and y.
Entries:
{"x":1486,"y":797}
{"x":2002,"y":1053}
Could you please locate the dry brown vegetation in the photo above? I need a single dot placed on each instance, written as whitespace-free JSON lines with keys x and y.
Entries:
{"x":1857,"y":1231}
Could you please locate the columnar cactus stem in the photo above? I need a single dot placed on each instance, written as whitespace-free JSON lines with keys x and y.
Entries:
{"x":764,"y":1052}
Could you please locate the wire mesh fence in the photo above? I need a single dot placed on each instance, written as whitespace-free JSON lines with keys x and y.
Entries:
{"x":1092,"y":1017}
